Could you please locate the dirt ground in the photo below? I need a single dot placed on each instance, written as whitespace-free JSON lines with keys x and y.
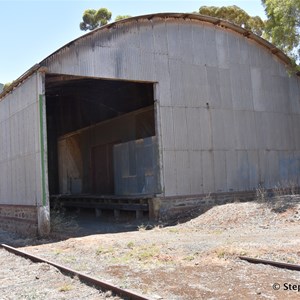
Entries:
{"x":194,"y":260}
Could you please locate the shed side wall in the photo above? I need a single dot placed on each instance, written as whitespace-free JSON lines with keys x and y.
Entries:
{"x":20,"y":157}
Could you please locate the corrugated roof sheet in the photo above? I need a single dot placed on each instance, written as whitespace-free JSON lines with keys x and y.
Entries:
{"x":182,"y":16}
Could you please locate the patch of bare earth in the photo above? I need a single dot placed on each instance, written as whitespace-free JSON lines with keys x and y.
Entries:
{"x":197,"y":259}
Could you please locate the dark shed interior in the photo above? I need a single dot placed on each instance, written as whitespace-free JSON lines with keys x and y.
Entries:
{"x":87,"y":118}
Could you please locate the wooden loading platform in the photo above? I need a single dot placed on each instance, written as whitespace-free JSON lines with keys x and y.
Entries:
{"x":138,"y":204}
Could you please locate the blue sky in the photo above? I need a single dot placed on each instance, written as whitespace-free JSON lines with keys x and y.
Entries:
{"x":30,"y":30}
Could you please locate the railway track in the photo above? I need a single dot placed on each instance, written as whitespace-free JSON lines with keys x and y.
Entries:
{"x":91,"y":281}
{"x":276,"y":264}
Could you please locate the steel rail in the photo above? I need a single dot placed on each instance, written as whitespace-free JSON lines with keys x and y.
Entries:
{"x":91,"y":281}
{"x":281,"y":265}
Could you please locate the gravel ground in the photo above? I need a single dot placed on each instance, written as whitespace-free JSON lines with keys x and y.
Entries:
{"x":194,"y":260}
{"x":22,"y":279}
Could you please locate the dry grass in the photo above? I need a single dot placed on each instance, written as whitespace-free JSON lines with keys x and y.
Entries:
{"x":61,"y":223}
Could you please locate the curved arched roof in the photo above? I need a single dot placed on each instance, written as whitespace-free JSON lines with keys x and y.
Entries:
{"x":190,"y":16}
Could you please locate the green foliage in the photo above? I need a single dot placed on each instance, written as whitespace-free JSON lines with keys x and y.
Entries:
{"x":95,"y":18}
{"x":119,"y":17}
{"x":6,"y":85}
{"x":283,"y":25}
{"x":235,"y":15}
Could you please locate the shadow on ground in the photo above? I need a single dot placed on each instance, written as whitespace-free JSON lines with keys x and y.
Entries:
{"x":70,"y":224}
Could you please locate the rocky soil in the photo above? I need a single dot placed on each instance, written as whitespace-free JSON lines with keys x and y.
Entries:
{"x":195,"y":260}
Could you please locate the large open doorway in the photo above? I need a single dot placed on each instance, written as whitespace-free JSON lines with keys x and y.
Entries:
{"x":102,"y":146}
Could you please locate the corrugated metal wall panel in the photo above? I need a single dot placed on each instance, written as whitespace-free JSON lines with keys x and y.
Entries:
{"x":202,"y":82}
{"x":169,"y":172}
{"x":206,"y":129}
{"x":253,"y":54}
{"x":162,"y":75}
{"x":210,"y":47}
{"x":146,"y":72}
{"x":208,"y":171}
{"x":261,"y":133}
{"x":281,"y":90}
{"x":240,"y":87}
{"x":167,"y":131}
{"x":294,"y":174}
{"x":220,"y":171}
{"x":214,"y":93}
{"x":185,"y":37}
{"x":257,"y":78}
{"x":7,"y":155}
{"x":228,"y":119}
{"x":140,"y":176}
{"x":193,"y":121}
{"x":253,"y":169}
{"x":176,"y":82}
{"x":296,"y":130}
{"x":29,"y":174}
{"x":196,"y":172}
{"x":243,"y":53}
{"x":182,"y":173}
{"x":160,"y":41}
{"x":146,"y":35}
{"x":222,"y":48}
{"x":197,"y":45}
{"x":231,"y":170}
{"x":242,"y":94}
{"x":225,"y":87}
{"x":104,"y":38}
{"x":174,"y":47}
{"x":86,"y":64}
{"x":273,"y":168}
{"x":4,"y":182}
{"x":4,"y":110}
{"x":19,"y":143}
{"x":180,"y":128}
{"x":245,"y":138}
{"x":218,"y":129}
{"x":190,"y":85}
{"x":290,"y":134}
{"x":243,"y":170}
